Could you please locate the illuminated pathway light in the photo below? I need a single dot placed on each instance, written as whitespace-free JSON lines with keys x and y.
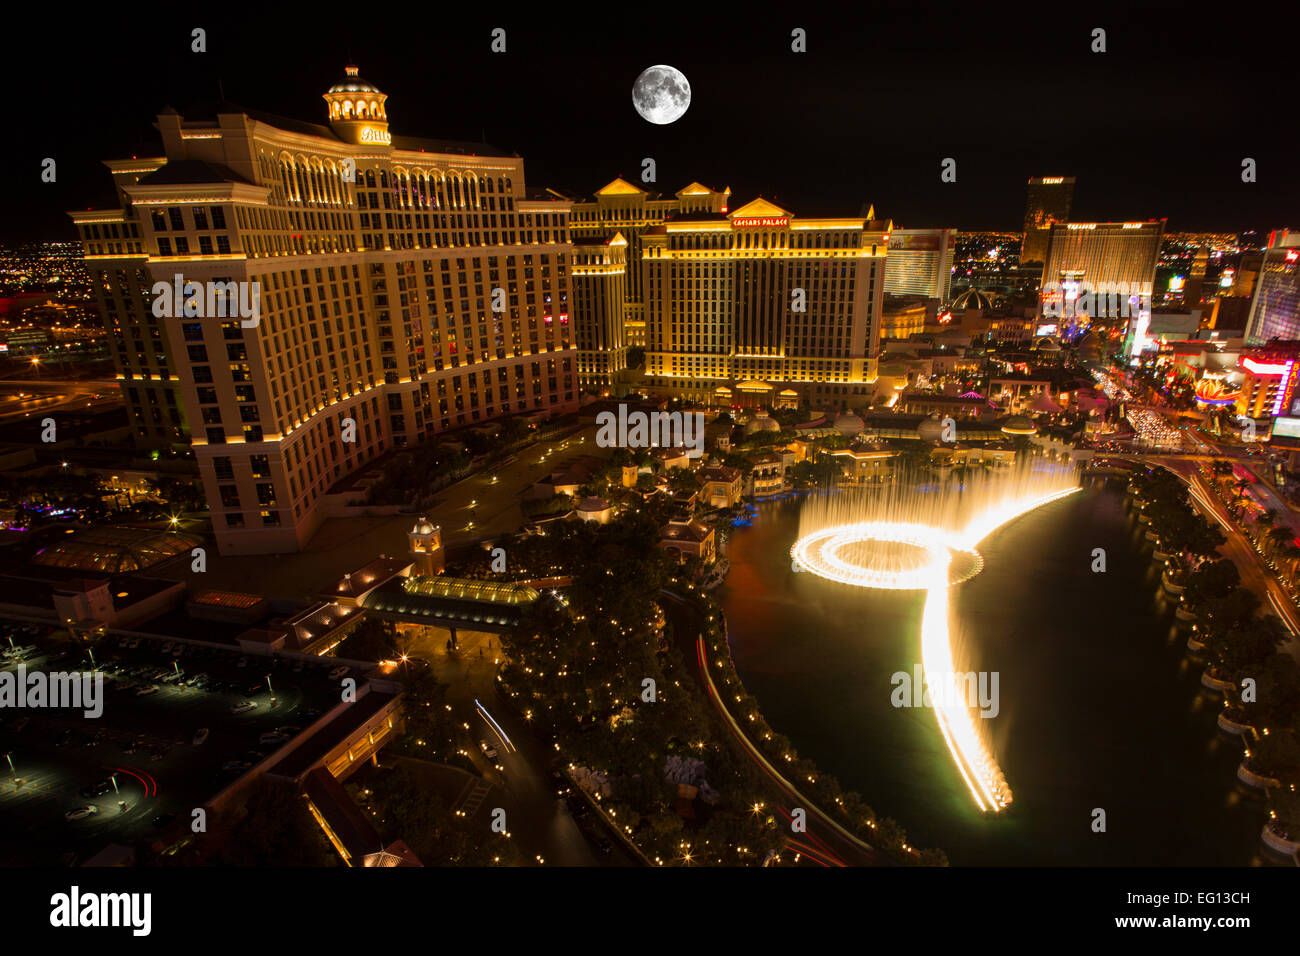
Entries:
{"x":922,"y":556}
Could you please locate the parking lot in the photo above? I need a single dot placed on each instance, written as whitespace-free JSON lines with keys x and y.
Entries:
{"x":176,"y":728}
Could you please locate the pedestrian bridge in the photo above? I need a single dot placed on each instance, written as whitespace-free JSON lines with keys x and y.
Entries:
{"x":452,"y":602}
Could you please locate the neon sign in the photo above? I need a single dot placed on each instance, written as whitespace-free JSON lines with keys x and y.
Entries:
{"x":373,"y":134}
{"x":1265,"y":368}
{"x":749,"y":221}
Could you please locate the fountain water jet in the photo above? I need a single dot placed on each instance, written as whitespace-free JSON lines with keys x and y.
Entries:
{"x":915,"y":536}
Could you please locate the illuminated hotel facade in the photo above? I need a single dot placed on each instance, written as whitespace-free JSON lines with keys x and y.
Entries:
{"x":1048,"y":202}
{"x":599,"y":277}
{"x":1103,"y":257}
{"x":758,"y":306}
{"x":1275,"y":306}
{"x":627,"y":210}
{"x":920,"y":263}
{"x":407,"y":285}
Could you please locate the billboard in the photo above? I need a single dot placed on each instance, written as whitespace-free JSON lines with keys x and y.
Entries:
{"x":1286,"y":428}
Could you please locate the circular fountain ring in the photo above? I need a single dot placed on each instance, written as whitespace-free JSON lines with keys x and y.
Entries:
{"x":835,"y":553}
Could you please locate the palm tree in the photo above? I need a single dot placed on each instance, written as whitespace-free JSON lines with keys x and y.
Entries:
{"x":1291,"y":555}
{"x":1280,"y":535}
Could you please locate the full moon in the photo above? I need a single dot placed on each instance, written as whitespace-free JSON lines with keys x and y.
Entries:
{"x":661,"y":94}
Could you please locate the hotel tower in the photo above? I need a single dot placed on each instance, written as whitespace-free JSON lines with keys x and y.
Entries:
{"x":623,"y":210}
{"x":760,"y":307}
{"x":407,"y":286}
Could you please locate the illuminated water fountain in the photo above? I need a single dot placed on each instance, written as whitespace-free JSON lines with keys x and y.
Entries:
{"x":922,"y":536}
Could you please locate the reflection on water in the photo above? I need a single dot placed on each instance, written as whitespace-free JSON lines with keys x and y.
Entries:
{"x":1098,"y":708}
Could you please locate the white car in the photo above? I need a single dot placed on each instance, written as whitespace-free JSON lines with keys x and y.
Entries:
{"x":80,"y":813}
{"x":243,"y":707}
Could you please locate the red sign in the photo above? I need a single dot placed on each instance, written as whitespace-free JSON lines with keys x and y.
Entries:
{"x":776,"y":221}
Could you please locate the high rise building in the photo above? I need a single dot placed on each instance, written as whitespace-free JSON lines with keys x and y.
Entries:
{"x":1049,"y":203}
{"x":920,"y":263}
{"x":599,"y":278}
{"x":760,"y":307}
{"x":623,"y":208}
{"x":1194,"y":290}
{"x":1101,"y":257}
{"x":407,"y":286}
{"x":1275,"y":308}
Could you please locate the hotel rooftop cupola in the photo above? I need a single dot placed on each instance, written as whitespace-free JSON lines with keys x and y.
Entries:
{"x":357,"y":111}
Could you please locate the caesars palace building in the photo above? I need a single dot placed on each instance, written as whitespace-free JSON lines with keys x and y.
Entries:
{"x":758,"y":307}
{"x":376,"y":257}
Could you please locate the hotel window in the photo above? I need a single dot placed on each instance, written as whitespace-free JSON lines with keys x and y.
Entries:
{"x":164,"y":246}
{"x":234,"y":521}
{"x":218,"y":217}
{"x":223,"y":470}
{"x":216,"y":436}
{"x":178,"y":222}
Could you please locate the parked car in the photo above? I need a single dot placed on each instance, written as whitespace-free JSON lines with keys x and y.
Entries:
{"x":272,"y":739}
{"x":243,"y":707}
{"x":146,"y":690}
{"x":80,"y":813}
{"x":200,"y":736}
{"x":339,"y":671}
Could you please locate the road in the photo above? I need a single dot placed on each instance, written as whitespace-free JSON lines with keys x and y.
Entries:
{"x":23,"y":399}
{"x":1238,"y":547}
{"x":536,"y":818}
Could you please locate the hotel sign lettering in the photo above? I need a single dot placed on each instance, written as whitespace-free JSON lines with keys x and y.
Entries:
{"x":372,"y":134}
{"x":769,"y":221}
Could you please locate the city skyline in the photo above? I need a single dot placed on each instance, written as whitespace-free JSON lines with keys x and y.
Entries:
{"x":756,"y":107}
{"x":651,"y":439}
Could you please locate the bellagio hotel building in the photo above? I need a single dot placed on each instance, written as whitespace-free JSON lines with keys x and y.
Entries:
{"x":377,"y":257}
{"x":758,"y":307}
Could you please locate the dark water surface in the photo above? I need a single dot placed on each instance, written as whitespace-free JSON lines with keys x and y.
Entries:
{"x":1099,"y":706}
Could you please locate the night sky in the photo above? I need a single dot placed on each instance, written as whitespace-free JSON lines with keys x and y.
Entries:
{"x":1155,"y":127}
